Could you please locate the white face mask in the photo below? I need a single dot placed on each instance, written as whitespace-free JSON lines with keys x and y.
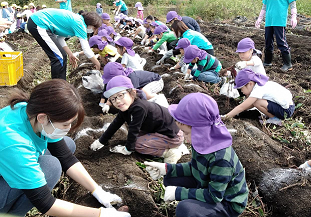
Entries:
{"x":89,"y":30}
{"x":57,"y":133}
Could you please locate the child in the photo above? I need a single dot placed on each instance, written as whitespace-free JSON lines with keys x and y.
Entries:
{"x":140,"y":30}
{"x":272,"y":99}
{"x":208,"y":66}
{"x":151,"y":129}
{"x":129,"y":58}
{"x":213,"y":182}
{"x":248,"y":55}
{"x":32,"y":8}
{"x":182,"y":44}
{"x":164,"y":35}
{"x":106,"y":19}
{"x":276,"y":19}
{"x":190,"y":22}
{"x":99,"y":9}
{"x":115,"y":36}
{"x":140,"y":10}
{"x":23,"y":26}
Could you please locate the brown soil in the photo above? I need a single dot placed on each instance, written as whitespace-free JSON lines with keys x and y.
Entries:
{"x":257,"y":150}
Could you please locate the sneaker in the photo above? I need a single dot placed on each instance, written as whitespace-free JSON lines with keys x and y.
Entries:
{"x":274,"y":120}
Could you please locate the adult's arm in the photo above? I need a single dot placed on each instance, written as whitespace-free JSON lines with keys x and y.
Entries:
{"x":89,"y":53}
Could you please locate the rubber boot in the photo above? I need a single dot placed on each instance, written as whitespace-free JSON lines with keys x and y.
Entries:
{"x":287,"y":65}
{"x":172,"y":155}
{"x":268,"y":59}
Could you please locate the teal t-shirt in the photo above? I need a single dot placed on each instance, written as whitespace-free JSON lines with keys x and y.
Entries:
{"x":197,"y":39}
{"x":276,"y":12}
{"x":20,"y":149}
{"x":61,"y":22}
{"x":65,"y":5}
{"x":123,"y":5}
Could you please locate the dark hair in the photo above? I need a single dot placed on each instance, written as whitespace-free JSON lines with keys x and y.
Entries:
{"x":92,"y":19}
{"x":25,"y":19}
{"x":95,"y":46}
{"x":150,"y":17}
{"x":58,"y":99}
{"x":38,"y":8}
{"x":179,"y":27}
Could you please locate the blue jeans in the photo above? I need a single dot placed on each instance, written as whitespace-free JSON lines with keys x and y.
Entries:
{"x":124,"y":12}
{"x":13,"y":201}
{"x":196,"y":208}
{"x":208,"y":76}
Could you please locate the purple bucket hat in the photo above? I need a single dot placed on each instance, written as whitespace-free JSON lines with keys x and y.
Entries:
{"x":154,"y":24}
{"x":139,"y":6}
{"x":171,"y":15}
{"x":245,"y":45}
{"x":183,"y":43}
{"x":105,"y":16}
{"x":200,"y":111}
{"x":97,"y":40}
{"x":117,"y":84}
{"x":104,"y":33}
{"x":145,"y":21}
{"x":192,"y":51}
{"x":246,"y":75}
{"x":139,"y":21}
{"x":113,"y":69}
{"x":110,"y":31}
{"x":158,"y":30}
{"x":127,"y":43}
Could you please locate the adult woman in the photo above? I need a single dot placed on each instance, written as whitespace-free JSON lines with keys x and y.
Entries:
{"x":121,"y":6}
{"x":34,"y":151}
{"x":50,"y":27}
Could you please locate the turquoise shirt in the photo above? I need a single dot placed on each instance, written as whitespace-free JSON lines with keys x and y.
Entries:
{"x":276,"y":12}
{"x":123,"y":5}
{"x":65,"y":5}
{"x":20,"y":149}
{"x":61,"y":22}
{"x":197,"y":39}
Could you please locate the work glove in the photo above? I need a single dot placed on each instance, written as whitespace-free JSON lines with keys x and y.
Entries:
{"x":106,"y":198}
{"x":169,"y":193}
{"x":76,"y":54}
{"x":96,"y":145}
{"x":120,"y":149}
{"x":166,"y":55}
{"x":293,"y":20}
{"x":223,"y":116}
{"x":104,"y":212}
{"x":156,"y":170}
{"x":142,"y":42}
{"x":147,"y":42}
{"x":105,"y":107}
{"x":260,"y":18}
{"x":305,"y":166}
{"x":187,"y":76}
{"x":240,"y":65}
{"x":172,"y":68}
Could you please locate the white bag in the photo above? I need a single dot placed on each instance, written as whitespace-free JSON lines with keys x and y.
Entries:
{"x":160,"y":99}
{"x":228,"y":90}
{"x":93,"y":81}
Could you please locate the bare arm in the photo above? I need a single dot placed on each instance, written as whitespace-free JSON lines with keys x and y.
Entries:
{"x":247,"y":104}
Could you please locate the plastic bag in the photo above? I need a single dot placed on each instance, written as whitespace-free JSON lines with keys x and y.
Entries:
{"x":228,"y":90}
{"x":160,"y":99}
{"x":93,"y":81}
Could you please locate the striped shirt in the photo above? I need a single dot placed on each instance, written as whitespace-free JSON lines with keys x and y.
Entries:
{"x":219,"y":176}
{"x":210,"y":63}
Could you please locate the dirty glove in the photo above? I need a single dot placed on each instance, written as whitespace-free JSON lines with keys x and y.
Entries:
{"x":172,"y":68}
{"x":293,"y":20}
{"x":96,"y":145}
{"x":76,"y":54}
{"x":187,"y":76}
{"x":142,"y":42}
{"x":104,"y":212}
{"x":165,"y":56}
{"x":241,"y":65}
{"x":120,"y":149}
{"x":106,"y":198}
{"x":105,"y":107}
{"x":147,"y":42}
{"x":305,"y":166}
{"x":169,"y":193}
{"x":156,"y":170}
{"x":260,"y":18}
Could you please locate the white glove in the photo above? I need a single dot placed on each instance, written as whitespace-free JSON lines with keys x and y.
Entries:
{"x":161,"y":61}
{"x":106,"y":198}
{"x":169,"y":193}
{"x":155,"y":169}
{"x":305,"y":166}
{"x":241,"y":65}
{"x":142,"y":42}
{"x":223,"y":116}
{"x":76,"y":54}
{"x":96,"y":145}
{"x":105,"y":107}
{"x":187,"y":76}
{"x":147,"y":42}
{"x":172,"y":68}
{"x":104,"y":212}
{"x":120,"y":149}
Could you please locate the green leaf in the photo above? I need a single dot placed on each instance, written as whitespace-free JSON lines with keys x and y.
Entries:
{"x":284,"y":141}
{"x":261,"y":213}
{"x":307,"y":91}
{"x":141,"y":165}
{"x":298,"y":105}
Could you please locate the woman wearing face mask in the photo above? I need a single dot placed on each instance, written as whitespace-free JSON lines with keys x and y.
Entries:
{"x":34,"y":151}
{"x":51,"y":26}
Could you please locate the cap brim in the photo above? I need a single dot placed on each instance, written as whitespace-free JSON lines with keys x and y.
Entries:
{"x":177,"y":47}
{"x":130,"y":52}
{"x":114,"y":90}
{"x":241,"y":50}
{"x":188,"y":60}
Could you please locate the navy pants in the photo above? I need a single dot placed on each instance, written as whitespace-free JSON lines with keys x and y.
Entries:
{"x":13,"y":201}
{"x":196,"y":208}
{"x":280,"y":37}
